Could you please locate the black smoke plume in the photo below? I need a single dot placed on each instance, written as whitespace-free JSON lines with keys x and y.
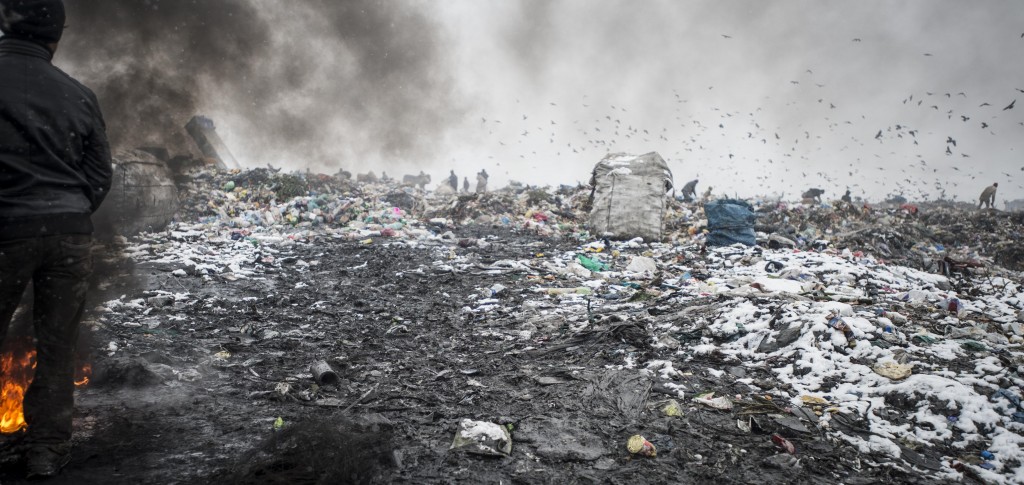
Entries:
{"x":316,"y":83}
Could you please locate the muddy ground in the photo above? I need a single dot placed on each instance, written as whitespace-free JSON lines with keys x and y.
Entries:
{"x":188,"y":390}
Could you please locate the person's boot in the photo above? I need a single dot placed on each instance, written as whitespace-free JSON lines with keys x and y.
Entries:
{"x":44,"y":461}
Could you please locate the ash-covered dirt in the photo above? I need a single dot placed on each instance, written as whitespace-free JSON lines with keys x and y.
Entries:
{"x":188,"y":389}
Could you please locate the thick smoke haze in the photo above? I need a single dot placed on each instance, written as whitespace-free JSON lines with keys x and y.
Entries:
{"x":312,"y":82}
{"x":751,"y":97}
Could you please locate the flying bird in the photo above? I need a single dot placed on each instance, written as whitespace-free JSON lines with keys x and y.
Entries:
{"x":950,"y":139}
{"x":1010,"y":106}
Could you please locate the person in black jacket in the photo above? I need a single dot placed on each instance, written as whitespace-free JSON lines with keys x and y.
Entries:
{"x":55,"y":170}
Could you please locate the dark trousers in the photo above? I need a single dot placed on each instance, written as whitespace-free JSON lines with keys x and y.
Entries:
{"x":58,"y":267}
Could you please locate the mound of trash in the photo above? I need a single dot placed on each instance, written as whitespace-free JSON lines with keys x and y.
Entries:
{"x":503,"y":340}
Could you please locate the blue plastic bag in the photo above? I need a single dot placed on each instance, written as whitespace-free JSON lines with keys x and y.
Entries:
{"x":730,"y":221}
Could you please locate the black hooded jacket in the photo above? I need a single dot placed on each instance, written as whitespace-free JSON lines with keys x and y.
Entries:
{"x":55,"y":165}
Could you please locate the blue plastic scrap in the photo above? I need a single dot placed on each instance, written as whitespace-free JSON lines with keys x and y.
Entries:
{"x":1014,"y":399}
{"x":730,"y":221}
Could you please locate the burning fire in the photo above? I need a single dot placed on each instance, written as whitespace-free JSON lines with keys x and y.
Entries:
{"x":82,"y":375}
{"x":16,"y":371}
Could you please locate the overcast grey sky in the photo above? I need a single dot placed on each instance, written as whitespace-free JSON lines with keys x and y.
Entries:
{"x":750,"y":96}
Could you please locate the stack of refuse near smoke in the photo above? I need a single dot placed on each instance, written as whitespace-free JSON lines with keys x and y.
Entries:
{"x":808,"y":319}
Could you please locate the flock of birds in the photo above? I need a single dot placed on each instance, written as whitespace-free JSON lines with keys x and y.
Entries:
{"x":752,"y":149}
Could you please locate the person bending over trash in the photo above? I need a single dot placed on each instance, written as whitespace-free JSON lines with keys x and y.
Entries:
{"x":814,"y":194}
{"x":690,"y":191}
{"x":55,"y":170}
{"x":988,"y":196}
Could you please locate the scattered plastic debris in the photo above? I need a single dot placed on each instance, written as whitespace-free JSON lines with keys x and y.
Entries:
{"x":482,"y":438}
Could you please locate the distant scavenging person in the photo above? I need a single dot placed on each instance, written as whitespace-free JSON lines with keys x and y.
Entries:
{"x":988,"y":196}
{"x":690,"y":190}
{"x":55,"y":171}
{"x":707,"y":194}
{"x":846,"y":197}
{"x":420,"y":180}
{"x":481,"y":181}
{"x":453,"y":181}
{"x":814,"y":194}
{"x":366,"y":178}
{"x":465,"y":184}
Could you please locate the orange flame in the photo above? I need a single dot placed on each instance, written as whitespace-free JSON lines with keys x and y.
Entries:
{"x":17,"y":368}
{"x":16,"y":371}
{"x":82,"y":375}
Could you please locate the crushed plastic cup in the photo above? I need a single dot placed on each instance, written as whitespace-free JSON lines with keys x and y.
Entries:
{"x":638,"y":445}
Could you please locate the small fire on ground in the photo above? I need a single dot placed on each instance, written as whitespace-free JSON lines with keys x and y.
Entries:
{"x":16,"y":371}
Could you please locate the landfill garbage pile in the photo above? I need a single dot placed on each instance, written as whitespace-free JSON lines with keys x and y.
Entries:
{"x":464,"y":347}
{"x":540,"y":211}
{"x":267,"y":201}
{"x":920,"y":236}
